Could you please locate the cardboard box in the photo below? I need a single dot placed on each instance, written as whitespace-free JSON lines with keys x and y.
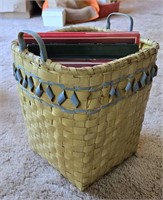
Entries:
{"x":106,"y":9}
{"x":15,"y":8}
{"x":54,"y":17}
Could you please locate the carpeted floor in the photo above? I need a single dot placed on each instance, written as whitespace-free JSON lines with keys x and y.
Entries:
{"x":26,"y":176}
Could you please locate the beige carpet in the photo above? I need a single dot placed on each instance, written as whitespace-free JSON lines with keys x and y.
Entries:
{"x":26,"y":176}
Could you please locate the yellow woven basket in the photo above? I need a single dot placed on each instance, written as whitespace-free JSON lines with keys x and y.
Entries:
{"x":84,"y":121}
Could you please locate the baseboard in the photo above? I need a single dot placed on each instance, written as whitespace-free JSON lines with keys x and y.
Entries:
{"x":15,"y":15}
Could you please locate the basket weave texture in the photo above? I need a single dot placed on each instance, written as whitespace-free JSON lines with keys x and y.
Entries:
{"x":84,"y":121}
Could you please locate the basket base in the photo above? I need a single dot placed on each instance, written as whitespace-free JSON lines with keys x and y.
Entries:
{"x":88,"y":181}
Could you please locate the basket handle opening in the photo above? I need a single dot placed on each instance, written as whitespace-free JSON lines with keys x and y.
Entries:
{"x":108,"y":23}
{"x":22,"y":45}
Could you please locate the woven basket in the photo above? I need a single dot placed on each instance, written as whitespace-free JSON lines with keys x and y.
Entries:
{"x":84,"y":121}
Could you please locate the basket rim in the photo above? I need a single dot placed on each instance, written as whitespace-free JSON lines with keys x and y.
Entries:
{"x":114,"y":65}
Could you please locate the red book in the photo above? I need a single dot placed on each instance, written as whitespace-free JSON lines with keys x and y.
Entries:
{"x":111,"y":37}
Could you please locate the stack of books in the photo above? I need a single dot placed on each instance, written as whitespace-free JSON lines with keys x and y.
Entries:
{"x":80,"y":49}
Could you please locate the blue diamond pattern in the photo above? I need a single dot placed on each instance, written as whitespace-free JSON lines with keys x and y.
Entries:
{"x":19,"y":75}
{"x":153,"y":72}
{"x":75,"y":100}
{"x":128,"y":87}
{"x":61,"y":97}
{"x":39,"y":90}
{"x":136,"y":87}
{"x":16,"y":78}
{"x":112,"y":92}
{"x":146,"y":78}
{"x":117,"y":93}
{"x":25,"y":83}
{"x":143,"y":79}
{"x":50,"y":93}
{"x":30,"y":83}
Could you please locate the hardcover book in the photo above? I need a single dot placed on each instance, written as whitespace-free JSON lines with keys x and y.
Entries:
{"x":89,"y":51}
{"x":111,"y":37}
